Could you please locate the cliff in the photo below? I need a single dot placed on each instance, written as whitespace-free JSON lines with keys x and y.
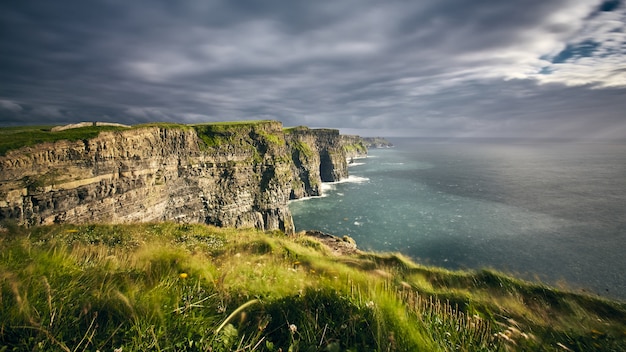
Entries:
{"x":319,"y":155}
{"x":354,"y":146}
{"x":226,"y":174}
{"x":376,"y":142}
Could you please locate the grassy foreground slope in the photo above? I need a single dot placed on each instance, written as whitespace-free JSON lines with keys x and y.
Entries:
{"x":173,"y":287}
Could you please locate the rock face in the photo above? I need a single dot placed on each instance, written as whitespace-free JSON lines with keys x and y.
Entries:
{"x":354,"y":146}
{"x":376,"y":142}
{"x":236,"y":175}
{"x":319,"y":155}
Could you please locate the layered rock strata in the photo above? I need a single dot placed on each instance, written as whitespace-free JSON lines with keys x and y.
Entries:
{"x":232,"y":174}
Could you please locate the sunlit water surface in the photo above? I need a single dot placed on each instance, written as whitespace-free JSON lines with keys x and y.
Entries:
{"x":552,"y":211}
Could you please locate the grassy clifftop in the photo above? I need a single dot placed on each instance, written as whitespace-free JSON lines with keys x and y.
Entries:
{"x":166,"y":286}
{"x":16,"y":137}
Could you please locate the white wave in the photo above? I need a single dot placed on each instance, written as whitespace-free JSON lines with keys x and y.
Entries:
{"x":355,"y":164}
{"x":306,"y":198}
{"x":349,"y":179}
{"x":326,"y":186}
{"x":357,"y":157}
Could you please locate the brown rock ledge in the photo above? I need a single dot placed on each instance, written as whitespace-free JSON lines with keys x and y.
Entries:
{"x":338,"y":246}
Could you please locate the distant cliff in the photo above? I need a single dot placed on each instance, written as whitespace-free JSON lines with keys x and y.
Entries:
{"x":376,"y":142}
{"x":354,"y":146}
{"x":238,"y":174}
{"x":319,"y":155}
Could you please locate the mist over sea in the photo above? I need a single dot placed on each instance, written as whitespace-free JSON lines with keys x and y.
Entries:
{"x":555,"y":211}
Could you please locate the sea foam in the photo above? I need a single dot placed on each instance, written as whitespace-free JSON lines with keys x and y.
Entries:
{"x":349,"y":179}
{"x":326,"y":186}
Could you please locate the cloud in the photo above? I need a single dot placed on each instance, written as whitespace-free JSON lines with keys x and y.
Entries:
{"x":594,"y":55}
{"x":10,"y":106}
{"x":451,"y":67}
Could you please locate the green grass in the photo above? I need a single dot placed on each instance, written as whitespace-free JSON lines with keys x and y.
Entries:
{"x":302,"y":148}
{"x":215,"y":134}
{"x":235,"y":123}
{"x":17,"y":137}
{"x":249,"y":136}
{"x":167,"y":286}
{"x":289,"y":130}
{"x":356,"y":147}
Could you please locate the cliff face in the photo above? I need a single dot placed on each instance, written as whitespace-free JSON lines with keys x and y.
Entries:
{"x":318,"y":156}
{"x":376,"y":142}
{"x":237,"y":175}
{"x":353,"y":146}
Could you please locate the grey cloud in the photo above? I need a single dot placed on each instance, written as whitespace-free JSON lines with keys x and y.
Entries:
{"x":427,"y":67}
{"x":10,"y":106}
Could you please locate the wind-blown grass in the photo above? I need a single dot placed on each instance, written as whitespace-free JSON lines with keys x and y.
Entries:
{"x":180,"y":287}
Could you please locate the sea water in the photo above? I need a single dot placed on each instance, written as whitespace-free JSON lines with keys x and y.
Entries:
{"x":550,"y":211}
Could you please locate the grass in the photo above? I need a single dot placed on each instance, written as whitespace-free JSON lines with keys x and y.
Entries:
{"x":302,"y":148}
{"x":235,"y":123}
{"x":289,"y":130}
{"x":213,"y":134}
{"x":17,"y":137}
{"x":355,"y":148}
{"x":166,"y":286}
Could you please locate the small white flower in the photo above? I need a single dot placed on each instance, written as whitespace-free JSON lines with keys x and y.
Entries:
{"x":293,"y":328}
{"x":370,"y":304}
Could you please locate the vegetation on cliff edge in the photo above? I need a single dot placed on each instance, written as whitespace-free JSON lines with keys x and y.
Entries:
{"x":234,"y":133}
{"x":17,"y":137}
{"x":166,"y":286}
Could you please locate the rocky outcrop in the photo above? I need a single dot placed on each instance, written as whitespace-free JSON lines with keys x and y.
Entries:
{"x":337,"y":246}
{"x":231,"y":174}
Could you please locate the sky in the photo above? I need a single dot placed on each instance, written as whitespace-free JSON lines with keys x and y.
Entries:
{"x":430,"y":68}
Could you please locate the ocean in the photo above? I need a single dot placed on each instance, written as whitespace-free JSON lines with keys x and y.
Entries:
{"x":548,"y":211}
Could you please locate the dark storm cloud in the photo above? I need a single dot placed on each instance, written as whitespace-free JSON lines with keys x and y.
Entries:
{"x":454,"y":67}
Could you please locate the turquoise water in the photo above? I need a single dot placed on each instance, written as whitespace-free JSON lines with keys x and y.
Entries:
{"x":551,"y":211}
